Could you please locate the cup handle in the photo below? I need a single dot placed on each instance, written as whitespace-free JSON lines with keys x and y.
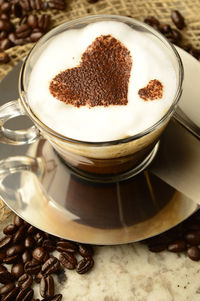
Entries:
{"x":16,"y":164}
{"x":15,"y":137}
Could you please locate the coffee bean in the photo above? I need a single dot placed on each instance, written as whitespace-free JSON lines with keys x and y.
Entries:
{"x":173,"y":36}
{"x":32,"y":230}
{"x":193,"y":238}
{"x":152,"y":21}
{"x":5,"y":17}
{"x":5,"y":44}
{"x":11,"y":259}
{"x":178,"y":19}
{"x":176,"y":36}
{"x":18,"y":221}
{"x":6,"y":277}
{"x":47,"y":287}
{"x":2,"y":256}
{"x":26,"y":256}
{"x":25,"y":4}
{"x":14,"y":250}
{"x":195,"y":52}
{"x":25,"y":294}
{"x":56,"y":4}
{"x":177,"y":246}
{"x":23,"y":31}
{"x":7,"y":288}
{"x":46,"y":257}
{"x":32,"y":4}
{"x":44,"y":22}
{"x":6,"y":240}
{"x":32,"y":21}
{"x":3,"y":35}
{"x":25,"y":281}
{"x":2,"y":268}
{"x":16,"y":9}
{"x":39,"y":254}
{"x":27,"y":225}
{"x":6,"y":7}
{"x":85,"y":265}
{"x":38,"y":277}
{"x":193,"y":253}
{"x":12,"y":37}
{"x":66,"y":246}
{"x":29,"y":242}
{"x":17,"y":270}
{"x":85,"y":250}
{"x":165,"y":28}
{"x":55,"y":298}
{"x":50,"y":266}
{"x":24,"y":20}
{"x":20,"y":234}
{"x":11,"y":228}
{"x":32,"y":267}
{"x":11,"y":296}
{"x":35,"y":36}
{"x":39,"y":238}
{"x":68,"y":260}
{"x":38,"y":4}
{"x":157,"y":248}
{"x":49,"y":245}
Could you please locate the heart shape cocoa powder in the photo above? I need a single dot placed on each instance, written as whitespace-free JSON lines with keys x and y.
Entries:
{"x":153,"y":91}
{"x":101,"y":79}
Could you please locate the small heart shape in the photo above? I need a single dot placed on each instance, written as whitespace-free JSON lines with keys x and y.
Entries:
{"x":101,"y":79}
{"x":153,"y":91}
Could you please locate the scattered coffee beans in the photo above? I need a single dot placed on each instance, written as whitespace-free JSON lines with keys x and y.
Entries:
{"x":35,"y":262}
{"x":25,"y":281}
{"x":68,"y":260}
{"x":193,"y":253}
{"x":29,"y":250}
{"x":178,"y":19}
{"x":51,"y":265}
{"x":184,"y":238}
{"x":7,"y":288}
{"x":66,"y":246}
{"x":85,"y":265}
{"x":17,"y":270}
{"x":22,"y":22}
{"x":47,"y":287}
{"x":172,"y":34}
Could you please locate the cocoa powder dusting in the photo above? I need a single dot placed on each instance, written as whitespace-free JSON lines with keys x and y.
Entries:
{"x":101,"y":79}
{"x":154,"y":90}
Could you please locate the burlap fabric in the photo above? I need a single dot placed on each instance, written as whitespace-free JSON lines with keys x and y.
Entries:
{"x":138,"y":9}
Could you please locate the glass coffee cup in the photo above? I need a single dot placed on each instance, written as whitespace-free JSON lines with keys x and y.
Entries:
{"x":124,"y":156}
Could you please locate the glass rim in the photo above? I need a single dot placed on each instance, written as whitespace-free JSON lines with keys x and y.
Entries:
{"x":55,"y":134}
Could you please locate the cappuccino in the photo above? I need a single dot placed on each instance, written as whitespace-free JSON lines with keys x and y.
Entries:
{"x":103,"y":82}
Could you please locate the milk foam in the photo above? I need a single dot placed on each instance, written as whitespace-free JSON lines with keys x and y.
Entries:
{"x":101,"y":123}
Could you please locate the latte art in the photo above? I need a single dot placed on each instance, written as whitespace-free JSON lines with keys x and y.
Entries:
{"x":101,"y":79}
{"x":103,"y":82}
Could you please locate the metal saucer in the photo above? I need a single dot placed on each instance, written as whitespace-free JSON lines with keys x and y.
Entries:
{"x":56,"y":200}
